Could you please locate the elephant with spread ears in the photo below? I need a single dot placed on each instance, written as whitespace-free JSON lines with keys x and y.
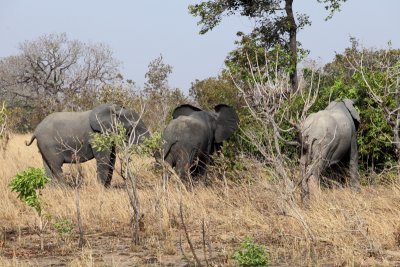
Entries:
{"x":329,"y":137}
{"x":194,"y":134}
{"x":64,"y":137}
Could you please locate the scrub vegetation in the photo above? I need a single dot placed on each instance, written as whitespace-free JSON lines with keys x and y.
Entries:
{"x":246,"y":210}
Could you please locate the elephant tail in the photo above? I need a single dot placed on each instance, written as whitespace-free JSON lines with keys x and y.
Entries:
{"x":28,"y":143}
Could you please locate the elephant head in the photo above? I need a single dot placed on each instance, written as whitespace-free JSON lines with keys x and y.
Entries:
{"x":329,"y":137}
{"x":105,"y":117}
{"x":196,"y":134}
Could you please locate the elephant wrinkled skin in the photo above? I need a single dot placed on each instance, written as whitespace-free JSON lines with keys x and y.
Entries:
{"x":329,"y":137}
{"x":193,"y":135}
{"x":64,"y":137}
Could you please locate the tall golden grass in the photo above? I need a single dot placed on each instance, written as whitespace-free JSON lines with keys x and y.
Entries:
{"x":340,"y":228}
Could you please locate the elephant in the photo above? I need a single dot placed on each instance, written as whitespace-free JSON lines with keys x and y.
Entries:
{"x":194,"y":134}
{"x":328,"y":137}
{"x":64,"y":137}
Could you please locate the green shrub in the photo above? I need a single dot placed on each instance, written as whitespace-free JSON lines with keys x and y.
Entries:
{"x":63,"y":227}
{"x":150,"y":145}
{"x":27,"y":183}
{"x":104,"y":142}
{"x":251,"y":255}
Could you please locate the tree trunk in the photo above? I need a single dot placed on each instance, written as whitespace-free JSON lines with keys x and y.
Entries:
{"x":397,"y":146}
{"x":292,"y":30}
{"x":131,"y":189}
{"x":81,"y":240}
{"x":41,"y":232}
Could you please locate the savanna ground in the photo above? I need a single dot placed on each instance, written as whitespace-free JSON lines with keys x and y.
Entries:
{"x":339,"y":229}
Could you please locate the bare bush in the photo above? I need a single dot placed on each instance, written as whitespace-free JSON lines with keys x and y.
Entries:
{"x":51,"y":71}
{"x":126,"y":145}
{"x":77,"y":178}
{"x":270,"y":100}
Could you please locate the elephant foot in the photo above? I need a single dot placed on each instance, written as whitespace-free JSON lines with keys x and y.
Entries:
{"x":107,"y":184}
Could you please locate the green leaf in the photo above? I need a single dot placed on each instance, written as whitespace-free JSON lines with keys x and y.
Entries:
{"x":27,"y":183}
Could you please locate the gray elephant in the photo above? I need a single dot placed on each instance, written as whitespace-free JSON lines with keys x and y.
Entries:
{"x":64,"y":137}
{"x":329,"y":137}
{"x":193,"y":135}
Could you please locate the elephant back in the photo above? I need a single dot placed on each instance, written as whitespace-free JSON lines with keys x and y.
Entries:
{"x":317,"y":126}
{"x":64,"y":123}
{"x":190,"y":132}
{"x":184,"y":126}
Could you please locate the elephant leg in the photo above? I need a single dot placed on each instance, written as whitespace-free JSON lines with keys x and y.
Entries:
{"x":353,"y":166}
{"x":314,"y":186}
{"x":203,"y":161}
{"x":305,"y":190}
{"x":54,"y":171}
{"x":310,"y":182}
{"x":162,"y":164}
{"x":105,"y":166}
{"x":182,"y":169}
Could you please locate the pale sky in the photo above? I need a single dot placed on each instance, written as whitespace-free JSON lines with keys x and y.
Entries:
{"x":139,"y":31}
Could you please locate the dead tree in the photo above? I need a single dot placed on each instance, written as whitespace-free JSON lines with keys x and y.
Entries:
{"x":77,"y":178}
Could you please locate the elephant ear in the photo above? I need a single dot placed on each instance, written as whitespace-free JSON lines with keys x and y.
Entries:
{"x":354,"y":113}
{"x":227,"y":122}
{"x":184,"y":110}
{"x":101,"y":118}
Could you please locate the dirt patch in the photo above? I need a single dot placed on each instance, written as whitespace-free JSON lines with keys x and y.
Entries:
{"x":101,"y":249}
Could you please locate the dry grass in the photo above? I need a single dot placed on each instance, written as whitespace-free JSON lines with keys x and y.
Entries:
{"x":340,"y":228}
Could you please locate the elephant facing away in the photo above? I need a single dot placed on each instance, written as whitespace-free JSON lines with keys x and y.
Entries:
{"x":194,"y":134}
{"x":64,"y":137}
{"x":327,"y":138}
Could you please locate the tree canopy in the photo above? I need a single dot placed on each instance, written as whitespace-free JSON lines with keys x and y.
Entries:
{"x":275,"y":22}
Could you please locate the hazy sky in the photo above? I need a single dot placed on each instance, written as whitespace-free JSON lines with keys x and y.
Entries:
{"x":139,"y":31}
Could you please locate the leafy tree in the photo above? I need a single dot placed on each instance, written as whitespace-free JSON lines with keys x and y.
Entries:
{"x":161,"y":98}
{"x":157,"y":77}
{"x":213,"y":91}
{"x":121,"y":92}
{"x":275,"y":22}
{"x":377,"y":73}
{"x":370,"y":77}
{"x":27,"y":184}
